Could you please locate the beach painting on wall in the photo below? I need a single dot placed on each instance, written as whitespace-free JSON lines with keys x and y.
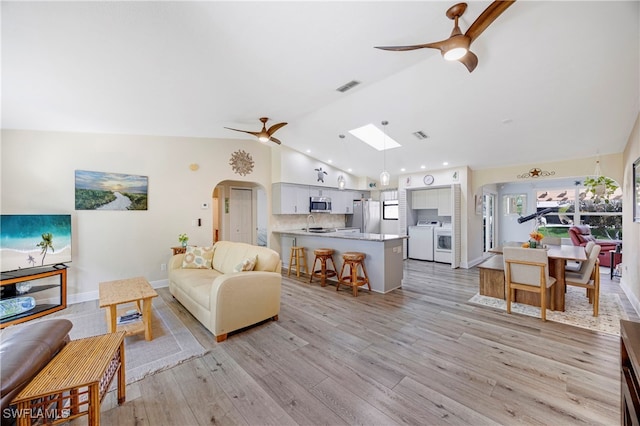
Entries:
{"x":110,"y":191}
{"x":34,"y":240}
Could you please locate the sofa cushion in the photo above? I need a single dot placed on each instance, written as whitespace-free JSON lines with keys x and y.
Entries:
{"x":246,"y":265}
{"x":196,"y":283}
{"x":227,"y":254}
{"x":197,"y":257}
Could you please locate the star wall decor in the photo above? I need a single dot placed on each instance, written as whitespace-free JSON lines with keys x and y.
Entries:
{"x":535,"y":173}
{"x":241,"y":162}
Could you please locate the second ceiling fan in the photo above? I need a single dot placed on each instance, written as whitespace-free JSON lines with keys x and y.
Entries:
{"x":456,"y":47}
{"x":264,"y":135}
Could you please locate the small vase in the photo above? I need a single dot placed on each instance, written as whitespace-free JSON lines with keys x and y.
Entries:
{"x":533,"y":244}
{"x":184,"y":244}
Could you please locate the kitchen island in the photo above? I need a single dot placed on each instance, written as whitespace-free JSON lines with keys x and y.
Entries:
{"x":384,"y":252}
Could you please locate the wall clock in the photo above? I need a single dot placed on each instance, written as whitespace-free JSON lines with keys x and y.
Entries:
{"x":427,"y":179}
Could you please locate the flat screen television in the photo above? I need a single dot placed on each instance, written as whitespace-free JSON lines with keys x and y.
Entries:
{"x":34,"y":240}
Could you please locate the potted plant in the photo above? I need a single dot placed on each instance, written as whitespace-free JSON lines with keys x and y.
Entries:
{"x":183,"y":238}
{"x":601,"y":188}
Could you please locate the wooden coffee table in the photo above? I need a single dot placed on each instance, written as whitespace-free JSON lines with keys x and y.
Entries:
{"x":119,"y":292}
{"x":74,"y":382}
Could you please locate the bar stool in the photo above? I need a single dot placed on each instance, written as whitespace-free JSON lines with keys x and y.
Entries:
{"x":354,"y":260}
{"x":323,"y":255}
{"x":297,"y":253}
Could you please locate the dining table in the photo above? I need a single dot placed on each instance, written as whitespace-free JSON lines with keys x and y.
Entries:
{"x":558,"y":256}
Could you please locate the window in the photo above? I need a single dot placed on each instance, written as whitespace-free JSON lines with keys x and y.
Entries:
{"x":577,"y":205}
{"x":390,"y":210}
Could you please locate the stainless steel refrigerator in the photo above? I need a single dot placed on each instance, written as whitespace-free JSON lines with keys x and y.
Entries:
{"x":366,"y":216}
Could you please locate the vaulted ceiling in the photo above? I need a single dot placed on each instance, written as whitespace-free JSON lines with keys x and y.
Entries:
{"x":555,"y":80}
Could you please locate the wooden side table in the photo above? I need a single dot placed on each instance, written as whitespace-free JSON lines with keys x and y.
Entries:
{"x":74,"y":382}
{"x":138,"y":290}
{"x":178,"y":250}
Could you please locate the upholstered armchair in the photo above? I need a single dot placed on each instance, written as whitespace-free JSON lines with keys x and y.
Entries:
{"x":581,"y":235}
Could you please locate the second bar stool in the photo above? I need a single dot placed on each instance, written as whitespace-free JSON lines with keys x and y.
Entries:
{"x":297,"y":258}
{"x":353,"y":260}
{"x":323,"y":255}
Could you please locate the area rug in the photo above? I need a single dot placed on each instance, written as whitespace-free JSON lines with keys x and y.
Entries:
{"x":578,"y":312}
{"x":172,"y":341}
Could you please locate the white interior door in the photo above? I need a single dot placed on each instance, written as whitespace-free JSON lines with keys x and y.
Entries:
{"x":240,"y":215}
{"x":489,"y":221}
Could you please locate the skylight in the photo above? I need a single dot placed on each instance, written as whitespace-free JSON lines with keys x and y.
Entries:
{"x":374,"y":137}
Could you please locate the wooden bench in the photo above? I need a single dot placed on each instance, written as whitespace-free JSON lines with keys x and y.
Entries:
{"x":492,"y":277}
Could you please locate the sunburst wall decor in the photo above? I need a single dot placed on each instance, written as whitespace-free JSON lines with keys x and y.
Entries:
{"x":241,"y":162}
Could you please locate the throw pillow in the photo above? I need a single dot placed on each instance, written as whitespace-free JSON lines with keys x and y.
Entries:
{"x":246,"y":265}
{"x":197,"y":257}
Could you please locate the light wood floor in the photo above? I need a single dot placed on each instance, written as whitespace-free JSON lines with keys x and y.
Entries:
{"x":420,"y":355}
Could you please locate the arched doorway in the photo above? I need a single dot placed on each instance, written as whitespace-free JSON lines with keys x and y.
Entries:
{"x":239,"y":212}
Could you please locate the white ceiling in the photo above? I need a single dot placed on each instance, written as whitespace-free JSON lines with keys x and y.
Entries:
{"x":555,"y":80}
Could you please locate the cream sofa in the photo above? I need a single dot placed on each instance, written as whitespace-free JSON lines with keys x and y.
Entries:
{"x":224,"y":300}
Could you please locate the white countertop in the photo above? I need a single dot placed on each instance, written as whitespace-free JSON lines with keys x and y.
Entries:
{"x":344,"y":235}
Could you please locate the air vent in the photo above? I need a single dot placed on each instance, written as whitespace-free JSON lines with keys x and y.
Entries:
{"x":420,"y":135}
{"x":348,"y":86}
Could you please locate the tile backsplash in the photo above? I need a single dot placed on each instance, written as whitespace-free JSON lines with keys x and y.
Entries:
{"x":286,"y":222}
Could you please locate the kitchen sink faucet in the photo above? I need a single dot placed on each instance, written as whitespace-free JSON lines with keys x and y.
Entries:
{"x":310,"y":217}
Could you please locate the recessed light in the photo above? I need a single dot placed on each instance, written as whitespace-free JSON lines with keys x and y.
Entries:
{"x":330,"y":161}
{"x":403,"y":169}
{"x":349,"y":170}
{"x":308,"y":151}
{"x":423,"y":167}
{"x":445,"y":163}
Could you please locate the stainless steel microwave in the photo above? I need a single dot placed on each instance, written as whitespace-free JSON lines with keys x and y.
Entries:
{"x":320,"y":205}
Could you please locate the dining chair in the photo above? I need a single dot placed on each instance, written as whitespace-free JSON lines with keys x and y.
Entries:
{"x":576,"y":266}
{"x":588,"y":278}
{"x":528,"y":270}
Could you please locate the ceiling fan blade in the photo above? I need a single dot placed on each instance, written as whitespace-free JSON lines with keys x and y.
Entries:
{"x":485,"y":19}
{"x":436,"y":45}
{"x":244,"y":131}
{"x":272,"y":139}
{"x":275,"y":128}
{"x":470,"y":60}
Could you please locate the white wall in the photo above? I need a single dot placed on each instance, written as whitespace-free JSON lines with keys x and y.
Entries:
{"x":38,"y":177}
{"x":630,"y":281}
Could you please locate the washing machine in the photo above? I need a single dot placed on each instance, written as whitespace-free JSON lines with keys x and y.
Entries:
{"x":420,"y":243}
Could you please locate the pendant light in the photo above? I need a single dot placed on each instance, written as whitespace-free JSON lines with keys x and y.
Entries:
{"x":384,"y":176}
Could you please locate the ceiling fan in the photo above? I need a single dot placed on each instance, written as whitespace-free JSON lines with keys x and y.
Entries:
{"x":264,"y":135}
{"x":456,"y":47}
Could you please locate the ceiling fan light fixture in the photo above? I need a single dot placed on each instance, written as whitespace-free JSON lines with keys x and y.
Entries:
{"x":455,"y":53}
{"x":456,"y":47}
{"x":263,"y":138}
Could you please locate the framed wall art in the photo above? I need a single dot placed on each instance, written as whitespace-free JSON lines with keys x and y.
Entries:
{"x":110,"y":191}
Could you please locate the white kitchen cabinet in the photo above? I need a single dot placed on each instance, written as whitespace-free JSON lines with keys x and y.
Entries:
{"x":418,"y":200}
{"x":315,"y":191}
{"x":444,"y":202}
{"x":424,"y":199}
{"x":290,"y":199}
{"x":338,"y":201}
{"x":342,"y":201}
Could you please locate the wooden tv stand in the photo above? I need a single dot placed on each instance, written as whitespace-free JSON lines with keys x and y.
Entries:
{"x":31,"y":274}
